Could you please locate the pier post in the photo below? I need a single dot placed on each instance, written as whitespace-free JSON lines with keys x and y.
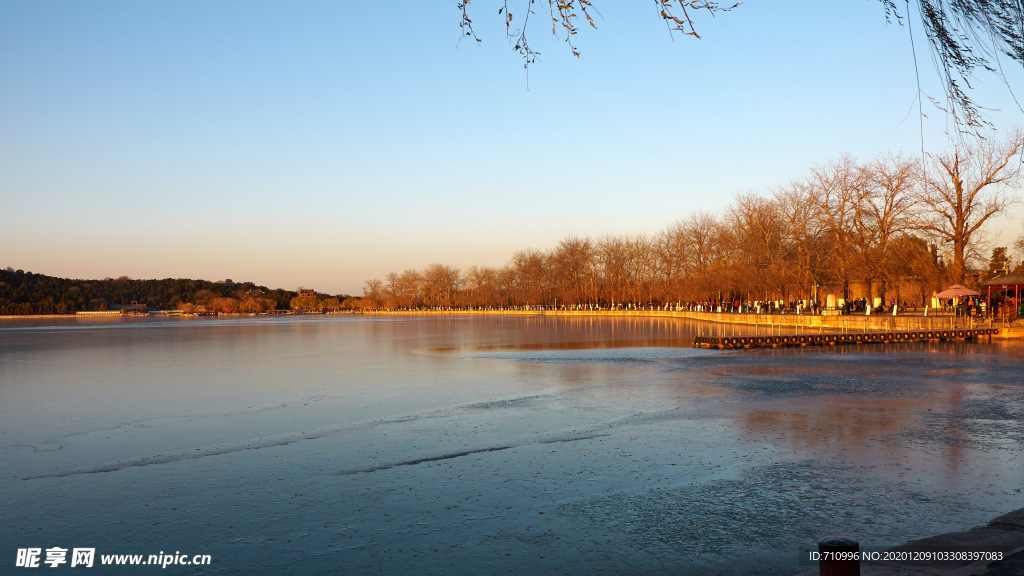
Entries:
{"x":839,"y":556}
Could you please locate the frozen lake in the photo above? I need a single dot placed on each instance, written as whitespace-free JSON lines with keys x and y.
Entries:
{"x":489,"y":445}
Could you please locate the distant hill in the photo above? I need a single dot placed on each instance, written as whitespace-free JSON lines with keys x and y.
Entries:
{"x":24,"y":293}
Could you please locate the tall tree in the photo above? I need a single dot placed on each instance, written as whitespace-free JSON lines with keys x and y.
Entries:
{"x":999,"y":261}
{"x":833,"y":188}
{"x":758,"y":231}
{"x":915,"y":265}
{"x":672,"y":262}
{"x":373,"y":294}
{"x":705,"y":235}
{"x":641,"y":268}
{"x":482,"y":286}
{"x":572,"y":269}
{"x":965,"y":188}
{"x":613,"y":268}
{"x":530,"y":277}
{"x":882,"y":212}
{"x":441,"y":285}
{"x":802,"y":235}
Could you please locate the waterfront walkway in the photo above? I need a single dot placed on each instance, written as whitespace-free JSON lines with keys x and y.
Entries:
{"x":767,"y":324}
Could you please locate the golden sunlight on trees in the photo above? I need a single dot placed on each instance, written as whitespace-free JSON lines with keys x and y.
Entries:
{"x":482,"y":285}
{"x":373,"y":294}
{"x":881,"y":211}
{"x":40,"y":294}
{"x":224,"y":305}
{"x":802,"y":234}
{"x":832,"y":187}
{"x":756,"y":229}
{"x":255,"y":305}
{"x":854,"y":229}
{"x":440,"y":285}
{"x":529,"y":279}
{"x":330,"y":304}
{"x":572,"y":262}
{"x":305,"y":302}
{"x":966,"y":187}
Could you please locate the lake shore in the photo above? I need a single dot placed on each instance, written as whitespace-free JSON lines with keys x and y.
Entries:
{"x":795,"y":322}
{"x":798,"y":323}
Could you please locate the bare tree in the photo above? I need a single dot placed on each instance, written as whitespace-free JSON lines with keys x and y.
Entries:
{"x":640,"y":268}
{"x":572,"y":270}
{"x":965,"y":188}
{"x":914,"y":266}
{"x":373,"y":294}
{"x":407,"y":288}
{"x":507,"y":280}
{"x":612,"y":269}
{"x":672,"y":264}
{"x":833,"y":188}
{"x":802,"y":236}
{"x":882,"y":211}
{"x":481,"y":287}
{"x":757,"y":230}
{"x":441,"y":285}
{"x":703,"y":228}
{"x":391,"y":290}
{"x":530,"y":277}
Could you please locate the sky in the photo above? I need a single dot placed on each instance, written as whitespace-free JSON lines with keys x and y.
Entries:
{"x":322,"y":144}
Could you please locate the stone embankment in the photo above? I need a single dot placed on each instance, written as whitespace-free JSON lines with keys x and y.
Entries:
{"x":772,"y":324}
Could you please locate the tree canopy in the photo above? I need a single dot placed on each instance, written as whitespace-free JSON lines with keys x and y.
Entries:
{"x":23,"y":292}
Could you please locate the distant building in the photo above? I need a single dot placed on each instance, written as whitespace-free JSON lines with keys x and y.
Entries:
{"x":307,"y":293}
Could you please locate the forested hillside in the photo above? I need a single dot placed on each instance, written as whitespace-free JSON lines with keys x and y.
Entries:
{"x":27,"y":293}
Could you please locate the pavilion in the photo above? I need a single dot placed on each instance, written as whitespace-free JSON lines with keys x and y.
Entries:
{"x":1005,"y":283}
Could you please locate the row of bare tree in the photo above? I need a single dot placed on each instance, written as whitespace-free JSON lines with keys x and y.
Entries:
{"x":874,"y":225}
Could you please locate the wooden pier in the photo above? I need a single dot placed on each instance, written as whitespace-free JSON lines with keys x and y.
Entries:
{"x":832,"y":339}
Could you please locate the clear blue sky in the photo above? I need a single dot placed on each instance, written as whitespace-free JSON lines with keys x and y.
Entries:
{"x":320,"y":144}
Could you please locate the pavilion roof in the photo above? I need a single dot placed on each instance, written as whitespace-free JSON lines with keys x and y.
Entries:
{"x":1006,"y":280}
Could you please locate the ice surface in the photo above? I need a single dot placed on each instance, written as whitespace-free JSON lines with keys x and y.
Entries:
{"x":351,"y":445}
